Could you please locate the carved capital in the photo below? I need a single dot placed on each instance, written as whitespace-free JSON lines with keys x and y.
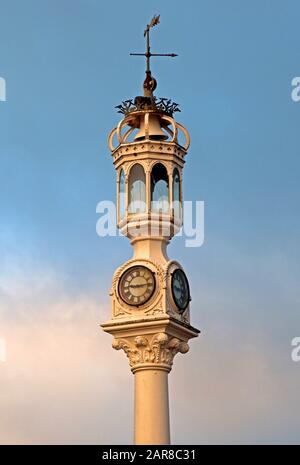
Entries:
{"x":158,"y":349}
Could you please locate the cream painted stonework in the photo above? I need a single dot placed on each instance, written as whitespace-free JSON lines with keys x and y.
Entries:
{"x":153,"y":330}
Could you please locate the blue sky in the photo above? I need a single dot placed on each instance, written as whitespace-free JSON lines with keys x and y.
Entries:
{"x":66,"y":65}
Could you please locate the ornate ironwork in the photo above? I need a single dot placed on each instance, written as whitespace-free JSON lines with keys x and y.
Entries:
{"x":166,"y":106}
{"x":126,"y":107}
{"x":161,"y":105}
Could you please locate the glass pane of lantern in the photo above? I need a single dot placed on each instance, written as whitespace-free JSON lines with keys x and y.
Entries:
{"x":137,"y":190}
{"x":176,"y":194}
{"x":122,"y":195}
{"x":159,"y":189}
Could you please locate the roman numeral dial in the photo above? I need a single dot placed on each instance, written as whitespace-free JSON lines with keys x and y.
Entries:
{"x":137,"y":285}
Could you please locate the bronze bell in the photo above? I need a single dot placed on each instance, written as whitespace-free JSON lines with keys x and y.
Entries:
{"x":150,"y":128}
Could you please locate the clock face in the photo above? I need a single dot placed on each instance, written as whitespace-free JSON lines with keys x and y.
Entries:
{"x":137,"y":285}
{"x":180,"y":289}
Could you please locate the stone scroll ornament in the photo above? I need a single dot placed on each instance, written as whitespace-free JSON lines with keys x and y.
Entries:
{"x":160,"y":349}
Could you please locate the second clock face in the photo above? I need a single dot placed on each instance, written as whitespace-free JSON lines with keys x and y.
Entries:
{"x":180,"y":289}
{"x":137,"y":285}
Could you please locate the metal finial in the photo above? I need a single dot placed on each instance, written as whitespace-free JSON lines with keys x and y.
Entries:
{"x":150,"y":82}
{"x":154,"y":21}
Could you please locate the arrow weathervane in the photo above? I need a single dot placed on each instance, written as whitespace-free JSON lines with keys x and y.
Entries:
{"x":150,"y":82}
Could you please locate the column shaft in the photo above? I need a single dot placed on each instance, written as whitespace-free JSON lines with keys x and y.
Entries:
{"x":151,"y":422}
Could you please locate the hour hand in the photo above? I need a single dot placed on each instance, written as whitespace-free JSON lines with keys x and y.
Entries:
{"x":135,"y":286}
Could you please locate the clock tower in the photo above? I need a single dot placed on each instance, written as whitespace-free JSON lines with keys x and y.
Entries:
{"x":150,"y":293}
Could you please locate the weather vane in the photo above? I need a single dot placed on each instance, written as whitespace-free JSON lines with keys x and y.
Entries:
{"x":150,"y":82}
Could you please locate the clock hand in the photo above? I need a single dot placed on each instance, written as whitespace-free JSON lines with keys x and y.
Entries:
{"x":177,"y":288}
{"x":134,"y":286}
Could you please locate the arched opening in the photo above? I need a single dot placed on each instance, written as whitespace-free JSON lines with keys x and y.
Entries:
{"x":121,"y":195}
{"x":159,"y":189}
{"x":176,"y":194}
{"x":137,"y":190}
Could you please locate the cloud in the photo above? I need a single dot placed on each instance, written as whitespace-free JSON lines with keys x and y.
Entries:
{"x":62,"y":380}
{"x":63,"y":384}
{"x":227,"y":396}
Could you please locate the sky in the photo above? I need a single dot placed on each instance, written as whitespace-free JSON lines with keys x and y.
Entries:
{"x":66,"y":65}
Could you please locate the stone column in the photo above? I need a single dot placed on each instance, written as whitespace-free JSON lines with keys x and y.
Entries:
{"x":151,"y":405}
{"x":151,"y":358}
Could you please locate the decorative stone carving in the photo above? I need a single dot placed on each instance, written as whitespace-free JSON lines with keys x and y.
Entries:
{"x":155,"y":306}
{"x":159,"y":349}
{"x":157,"y":309}
{"x":161,"y":303}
